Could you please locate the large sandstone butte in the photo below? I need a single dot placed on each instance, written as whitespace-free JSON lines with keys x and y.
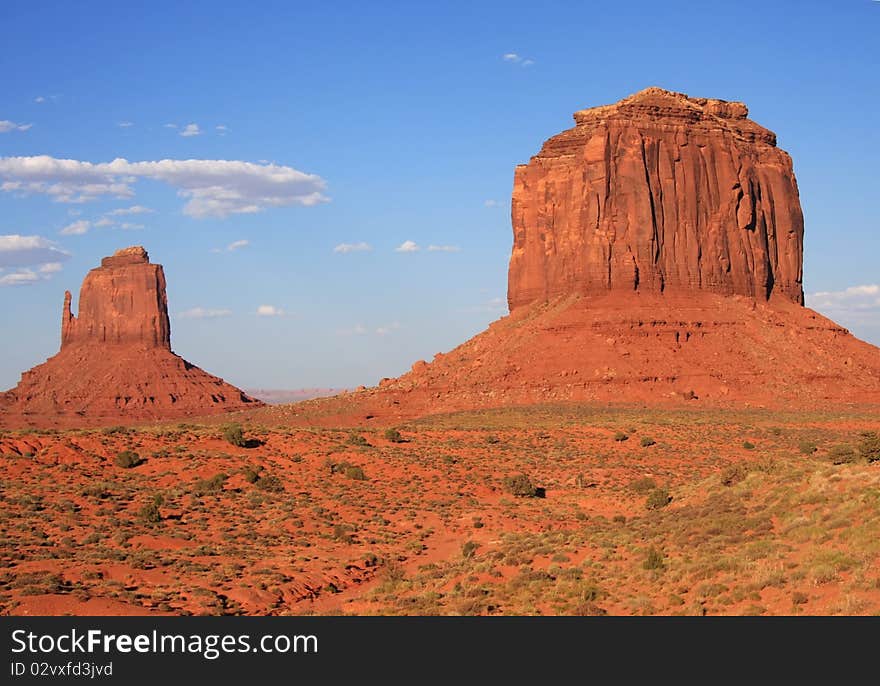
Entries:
{"x":657,"y":257}
{"x":659,"y":192}
{"x":116,"y":362}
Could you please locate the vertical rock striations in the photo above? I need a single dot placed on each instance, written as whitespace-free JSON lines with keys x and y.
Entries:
{"x":121,"y":302}
{"x":658,"y":192}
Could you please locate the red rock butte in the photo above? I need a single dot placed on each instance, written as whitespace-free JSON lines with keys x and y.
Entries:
{"x":657,"y":257}
{"x":115,"y":362}
{"x":659,"y":192}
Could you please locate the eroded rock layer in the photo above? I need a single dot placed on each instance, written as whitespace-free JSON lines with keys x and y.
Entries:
{"x":116,"y":362}
{"x":658,"y":192}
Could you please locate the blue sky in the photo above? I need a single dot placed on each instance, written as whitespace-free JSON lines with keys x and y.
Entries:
{"x":386,"y":124}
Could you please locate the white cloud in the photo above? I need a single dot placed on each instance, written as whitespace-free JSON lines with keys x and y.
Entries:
{"x":50,"y":268}
{"x":213,"y":188}
{"x":407,"y":246}
{"x":515,"y":58}
{"x":361,"y":330}
{"x":385,"y":330}
{"x":78,"y":228}
{"x":128,"y":226}
{"x":6,"y":126}
{"x":125,"y":124}
{"x":269,"y":311}
{"x":345,"y":248}
{"x":491,"y":203}
{"x":492,"y":306}
{"x":39,"y":100}
{"x":221,"y":129}
{"x":25,"y":251}
{"x":104,"y":221}
{"x":861,"y":298}
{"x":191,"y":130}
{"x":443,"y":248}
{"x":203,"y":313}
{"x":235,"y":245}
{"x":134,"y":209}
{"x":170,"y":126}
{"x":23,"y":277}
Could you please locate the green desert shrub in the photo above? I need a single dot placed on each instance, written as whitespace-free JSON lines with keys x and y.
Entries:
{"x":393,"y":435}
{"x":520,"y":486}
{"x":653,"y":559}
{"x":869,"y":448}
{"x":658,"y":499}
{"x":355,"y":473}
{"x":807,"y":447}
{"x":647,"y":442}
{"x":270,"y":484}
{"x":251,"y":474}
{"x":234,"y":435}
{"x":842,"y":454}
{"x":209,"y":486}
{"x":643,"y":485}
{"x":128,"y":459}
{"x":358,"y":440}
{"x":150,"y":513}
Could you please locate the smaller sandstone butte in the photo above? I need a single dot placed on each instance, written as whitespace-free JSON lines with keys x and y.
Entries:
{"x":115,"y":361}
{"x":658,"y":192}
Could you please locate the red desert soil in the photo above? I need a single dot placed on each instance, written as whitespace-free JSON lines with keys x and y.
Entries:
{"x":643,"y":511}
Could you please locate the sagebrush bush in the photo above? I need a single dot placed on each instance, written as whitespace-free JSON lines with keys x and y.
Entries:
{"x":235,"y":436}
{"x":658,"y":498}
{"x":807,"y":447}
{"x":520,"y":486}
{"x":653,"y":559}
{"x":128,"y":459}
{"x":393,"y":435}
{"x":208,"y":486}
{"x":842,"y":454}
{"x":869,"y":448}
{"x":270,"y":484}
{"x":355,"y":473}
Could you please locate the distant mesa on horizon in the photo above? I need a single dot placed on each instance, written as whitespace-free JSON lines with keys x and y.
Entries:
{"x":116,"y":362}
{"x":279,"y":396}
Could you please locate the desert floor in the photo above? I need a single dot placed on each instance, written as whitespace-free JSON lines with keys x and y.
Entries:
{"x":675,"y":511}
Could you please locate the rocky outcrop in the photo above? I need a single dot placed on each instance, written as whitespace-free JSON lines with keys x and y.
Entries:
{"x":121,"y":302}
{"x":658,"y":192}
{"x":115,"y":362}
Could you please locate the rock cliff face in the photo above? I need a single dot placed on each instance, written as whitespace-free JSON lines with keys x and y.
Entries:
{"x":121,"y":302}
{"x":116,"y":362}
{"x":658,"y":192}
